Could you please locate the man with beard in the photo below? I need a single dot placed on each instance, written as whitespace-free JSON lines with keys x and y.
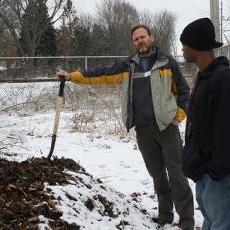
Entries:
{"x":206,"y":157}
{"x":155,"y":98}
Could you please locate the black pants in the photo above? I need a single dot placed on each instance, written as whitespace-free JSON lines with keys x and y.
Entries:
{"x":162,"y":151}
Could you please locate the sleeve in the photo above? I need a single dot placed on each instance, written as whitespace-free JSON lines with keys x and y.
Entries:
{"x":113,"y":74}
{"x":221,"y":156}
{"x":181,"y":89}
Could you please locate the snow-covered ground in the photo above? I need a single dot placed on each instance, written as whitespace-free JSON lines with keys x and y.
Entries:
{"x":114,"y":159}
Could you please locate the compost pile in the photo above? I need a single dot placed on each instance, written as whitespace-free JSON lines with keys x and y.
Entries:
{"x":22,"y":195}
{"x":59,"y":194}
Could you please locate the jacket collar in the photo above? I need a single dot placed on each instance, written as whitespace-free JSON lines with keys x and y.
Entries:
{"x":160,"y":56}
{"x":217,"y":63}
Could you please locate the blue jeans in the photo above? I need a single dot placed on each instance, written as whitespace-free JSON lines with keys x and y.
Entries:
{"x":213,"y":198}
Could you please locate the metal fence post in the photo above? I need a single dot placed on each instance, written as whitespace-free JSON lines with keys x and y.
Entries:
{"x":86,"y":62}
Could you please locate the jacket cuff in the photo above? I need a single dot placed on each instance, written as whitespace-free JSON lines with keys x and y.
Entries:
{"x":75,"y":77}
{"x":180,"y":114}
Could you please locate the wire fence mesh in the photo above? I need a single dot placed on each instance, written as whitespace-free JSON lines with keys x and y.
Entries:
{"x":224,"y":51}
{"x":24,"y":68}
{"x":29,"y":83}
{"x":28,"y":86}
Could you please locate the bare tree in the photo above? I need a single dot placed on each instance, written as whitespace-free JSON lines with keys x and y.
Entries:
{"x":147,"y":18}
{"x":164,"y":30}
{"x":66,"y":32}
{"x":11,"y":13}
{"x":162,"y":25}
{"x":115,"y":18}
{"x":226,"y":29}
{"x":82,"y":39}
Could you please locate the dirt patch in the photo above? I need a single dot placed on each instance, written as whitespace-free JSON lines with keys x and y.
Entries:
{"x":23,"y":200}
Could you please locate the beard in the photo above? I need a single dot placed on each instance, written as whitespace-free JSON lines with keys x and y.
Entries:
{"x":145,"y":50}
{"x":188,"y":59}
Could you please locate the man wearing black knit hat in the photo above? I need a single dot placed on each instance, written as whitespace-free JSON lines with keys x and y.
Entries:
{"x":206,"y":157}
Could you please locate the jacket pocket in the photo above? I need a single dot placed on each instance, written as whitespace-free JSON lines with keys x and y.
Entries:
{"x":206,"y":152}
{"x":193,"y":164}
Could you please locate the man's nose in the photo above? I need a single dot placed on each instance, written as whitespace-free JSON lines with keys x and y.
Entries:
{"x":140,"y":40}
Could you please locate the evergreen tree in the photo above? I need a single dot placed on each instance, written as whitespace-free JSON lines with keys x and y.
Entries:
{"x":38,"y":36}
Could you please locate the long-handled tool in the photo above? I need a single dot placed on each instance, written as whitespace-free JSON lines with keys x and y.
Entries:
{"x":57,"y":115}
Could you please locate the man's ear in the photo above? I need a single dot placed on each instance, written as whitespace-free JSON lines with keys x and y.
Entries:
{"x":152,"y":38}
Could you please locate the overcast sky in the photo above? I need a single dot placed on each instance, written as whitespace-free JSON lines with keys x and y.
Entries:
{"x":185,"y":10}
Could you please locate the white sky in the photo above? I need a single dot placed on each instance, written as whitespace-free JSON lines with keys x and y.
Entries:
{"x":186,"y":10}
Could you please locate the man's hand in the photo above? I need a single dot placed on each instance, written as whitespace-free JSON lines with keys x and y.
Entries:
{"x":63,"y":73}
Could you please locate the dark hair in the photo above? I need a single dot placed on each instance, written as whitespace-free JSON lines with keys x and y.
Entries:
{"x":134,"y":28}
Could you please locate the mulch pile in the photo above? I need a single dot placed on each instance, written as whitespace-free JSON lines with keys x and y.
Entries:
{"x":22,"y":195}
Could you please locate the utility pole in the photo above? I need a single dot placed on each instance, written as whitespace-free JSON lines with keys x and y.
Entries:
{"x":221,"y":21}
{"x":215,"y":17}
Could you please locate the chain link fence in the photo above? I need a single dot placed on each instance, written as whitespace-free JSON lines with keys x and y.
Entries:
{"x":23,"y":68}
{"x":28,"y":85}
{"x":31,"y":81}
{"x":25,"y":78}
{"x":224,"y":51}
